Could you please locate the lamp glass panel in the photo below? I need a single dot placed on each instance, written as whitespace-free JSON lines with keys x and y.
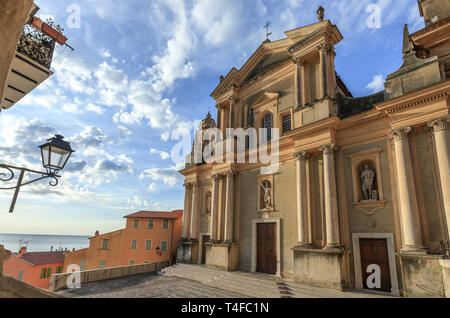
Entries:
{"x":58,"y":157}
{"x":45,"y":159}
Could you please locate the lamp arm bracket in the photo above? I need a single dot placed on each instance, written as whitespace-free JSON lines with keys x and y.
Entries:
{"x":10,"y":174}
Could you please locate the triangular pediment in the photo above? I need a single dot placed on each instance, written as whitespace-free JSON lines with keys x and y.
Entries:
{"x":264,"y":97}
{"x":302,"y":32}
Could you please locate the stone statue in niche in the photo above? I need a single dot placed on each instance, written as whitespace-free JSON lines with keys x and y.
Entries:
{"x":266,"y":186}
{"x":208,"y":203}
{"x":367,"y":180}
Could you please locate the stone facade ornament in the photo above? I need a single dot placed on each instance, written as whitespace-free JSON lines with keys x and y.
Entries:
{"x":439,"y":124}
{"x":367,"y":179}
{"x":400,"y":134}
{"x":208,"y":203}
{"x":320,"y":13}
{"x":267,"y":187}
{"x":4,"y":255}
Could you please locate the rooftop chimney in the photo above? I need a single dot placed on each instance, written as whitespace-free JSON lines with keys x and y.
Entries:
{"x":23,"y":250}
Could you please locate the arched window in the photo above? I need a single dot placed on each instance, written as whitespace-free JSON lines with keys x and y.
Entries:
{"x":267,"y":123}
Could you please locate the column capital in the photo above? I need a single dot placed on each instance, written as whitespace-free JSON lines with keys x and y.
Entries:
{"x":230,"y":173}
{"x":302,"y":155}
{"x":329,"y":148}
{"x":233,"y":99}
{"x":439,"y":124}
{"x":400,"y":134}
{"x":300,"y":61}
{"x":216,"y":177}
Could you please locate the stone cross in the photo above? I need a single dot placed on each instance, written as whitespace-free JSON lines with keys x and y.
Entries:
{"x":4,"y":255}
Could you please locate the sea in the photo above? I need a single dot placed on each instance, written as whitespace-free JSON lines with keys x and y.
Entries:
{"x":42,"y":242}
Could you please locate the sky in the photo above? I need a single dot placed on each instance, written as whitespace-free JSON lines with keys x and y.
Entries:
{"x":143,"y":71}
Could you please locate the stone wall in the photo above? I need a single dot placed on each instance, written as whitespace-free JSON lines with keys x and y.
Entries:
{"x":59,"y":281}
{"x":422,"y":276}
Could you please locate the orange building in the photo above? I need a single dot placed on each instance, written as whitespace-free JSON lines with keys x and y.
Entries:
{"x":34,"y":268}
{"x":147,"y":238}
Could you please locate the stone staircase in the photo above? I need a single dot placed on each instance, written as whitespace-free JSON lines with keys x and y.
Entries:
{"x":256,"y":285}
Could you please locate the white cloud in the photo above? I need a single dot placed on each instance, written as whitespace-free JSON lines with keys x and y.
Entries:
{"x":105,"y":53}
{"x":153,"y":187}
{"x":110,"y":77}
{"x":168,"y":176}
{"x":94,"y":108}
{"x":377,"y":84}
{"x":164,"y":155}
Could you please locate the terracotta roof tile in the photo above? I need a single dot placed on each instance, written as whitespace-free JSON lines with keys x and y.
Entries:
{"x":40,"y":258}
{"x":156,"y":214}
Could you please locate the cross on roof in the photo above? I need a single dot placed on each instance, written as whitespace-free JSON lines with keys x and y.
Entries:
{"x":267,"y":29}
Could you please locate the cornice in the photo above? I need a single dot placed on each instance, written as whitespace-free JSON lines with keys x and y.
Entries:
{"x":431,"y":93}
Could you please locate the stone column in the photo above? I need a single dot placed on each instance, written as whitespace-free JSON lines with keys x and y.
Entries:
{"x":323,"y":70}
{"x":440,"y":131}
{"x":331,"y":72}
{"x":297,"y":84}
{"x":230,"y":114}
{"x":409,"y":210}
{"x":302,"y":199}
{"x":330,"y":194}
{"x":186,"y":212}
{"x":303,"y":82}
{"x":195,"y":213}
{"x":215,"y":208}
{"x":229,"y":207}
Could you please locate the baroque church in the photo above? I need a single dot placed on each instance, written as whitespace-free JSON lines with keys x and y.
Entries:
{"x":361,"y":181}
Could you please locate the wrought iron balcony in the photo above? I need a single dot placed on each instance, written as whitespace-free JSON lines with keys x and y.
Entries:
{"x":36,"y":45}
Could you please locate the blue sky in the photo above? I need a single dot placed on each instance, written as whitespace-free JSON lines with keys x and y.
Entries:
{"x":144,"y":69}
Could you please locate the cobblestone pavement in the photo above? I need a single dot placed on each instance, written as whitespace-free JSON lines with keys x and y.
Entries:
{"x":146,"y":286}
{"x":163,"y":286}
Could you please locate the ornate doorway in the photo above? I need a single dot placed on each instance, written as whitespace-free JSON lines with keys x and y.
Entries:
{"x":266,"y":253}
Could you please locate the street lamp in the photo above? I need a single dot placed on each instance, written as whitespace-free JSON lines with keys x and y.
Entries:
{"x":55,"y":153}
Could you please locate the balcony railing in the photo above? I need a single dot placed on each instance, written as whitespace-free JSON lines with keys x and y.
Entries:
{"x":36,"y":45}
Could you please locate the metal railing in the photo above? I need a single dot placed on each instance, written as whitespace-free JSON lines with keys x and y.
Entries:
{"x":36,"y":45}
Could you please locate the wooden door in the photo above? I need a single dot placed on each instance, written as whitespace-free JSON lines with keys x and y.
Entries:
{"x":205,"y":240}
{"x":375,"y":251}
{"x":266,"y":253}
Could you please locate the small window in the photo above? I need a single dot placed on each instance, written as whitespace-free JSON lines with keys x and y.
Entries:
{"x":105,"y":244}
{"x":131,"y":262}
{"x":146,"y":262}
{"x":20,"y":275}
{"x":102,"y":264}
{"x":133,"y":244}
{"x":163,"y":245}
{"x":136,"y":224}
{"x":43,"y":271}
{"x":82,"y":264}
{"x":148,"y":245}
{"x":165,"y":224}
{"x":59,"y":269}
{"x":49,"y":272}
{"x":267,"y":124}
{"x":286,"y":124}
{"x":150,"y":224}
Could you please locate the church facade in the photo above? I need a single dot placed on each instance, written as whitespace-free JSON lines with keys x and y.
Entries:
{"x":359,"y":181}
